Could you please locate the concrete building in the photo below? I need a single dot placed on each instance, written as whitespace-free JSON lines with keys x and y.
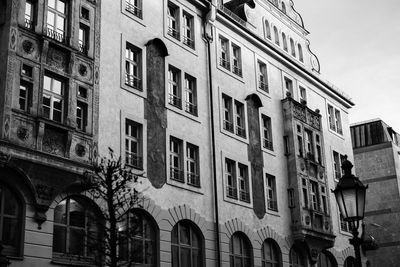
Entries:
{"x":221,"y":105}
{"x":376,"y":157}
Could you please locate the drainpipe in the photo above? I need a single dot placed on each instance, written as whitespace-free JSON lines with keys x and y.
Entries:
{"x":208,"y":35}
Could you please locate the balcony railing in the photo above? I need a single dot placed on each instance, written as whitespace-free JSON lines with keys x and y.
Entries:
{"x":231,"y":192}
{"x":28,"y":24}
{"x":228,"y":126}
{"x":58,"y":36}
{"x":134,"y":160}
{"x":188,"y":41}
{"x":241,"y":131}
{"x":133,"y":10}
{"x":225,"y":63}
{"x":244,"y":196}
{"x":263,"y":86}
{"x":272,"y":205}
{"x":174,"y":101}
{"x":268,"y":144}
{"x":133,"y":81}
{"x":193,"y":179}
{"x":176,"y":174}
{"x":174,"y":33}
{"x":191,"y":108}
{"x":237,"y":70}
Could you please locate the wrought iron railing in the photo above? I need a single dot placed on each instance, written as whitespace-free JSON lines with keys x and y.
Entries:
{"x":268,"y":144}
{"x":241,"y":131}
{"x":237,"y":70}
{"x":228,"y":126}
{"x":225,"y":63}
{"x":231,"y":192}
{"x":191,"y":108}
{"x":174,"y":33}
{"x":188,"y":41}
{"x":133,"y":10}
{"x":174,"y":101}
{"x":176,"y":174}
{"x":244,"y":196}
{"x":134,"y":160}
{"x":133,"y":81}
{"x":272,"y":205}
{"x":263,"y":86}
{"x":193,"y":179}
{"x":58,"y":36}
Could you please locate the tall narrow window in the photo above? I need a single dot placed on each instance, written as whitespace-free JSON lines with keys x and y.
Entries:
{"x":224,"y":56}
{"x":192,"y":165}
{"x":228,"y":120}
{"x":243,"y":180}
{"x":300,"y":52}
{"x":174,"y":90}
{"x":309,"y":144}
{"x":175,"y":159}
{"x":173,"y":20}
{"x":335,"y":120}
{"x":288,"y":86}
{"x":188,"y":30}
{"x":53,"y":98}
{"x":25,"y":92}
{"x":319,"y":149}
{"x":292,"y":47}
{"x":239,"y":119}
{"x":29,"y":14}
{"x":283,"y":8}
{"x":262,"y":76}
{"x":284,"y":41}
{"x":186,"y":242}
{"x":85,"y":13}
{"x":133,"y":144}
{"x":295,"y":258}
{"x":338,"y":122}
{"x":132,"y":67}
{"x":81,"y":115}
{"x":276,"y":35}
{"x":299,"y":140}
{"x":240,"y":250}
{"x":236,"y":60}
{"x":303,"y":94}
{"x":134,"y":7}
{"x":190,"y":95}
{"x":267,"y":132}
{"x":267,"y":30}
{"x":57,"y":20}
{"x":324,"y":200}
{"x":314,"y":195}
{"x":305,"y":192}
{"x":271,"y":254}
{"x":83,"y":39}
{"x":270,"y":188}
{"x":336,"y":165}
{"x":230,"y":178}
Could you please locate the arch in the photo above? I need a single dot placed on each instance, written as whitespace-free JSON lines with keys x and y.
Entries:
{"x":240,"y":250}
{"x":284,"y":41}
{"x":269,"y":233}
{"x":300,"y":49}
{"x":256,"y":99}
{"x":186,"y":237}
{"x":19,"y":181}
{"x":296,"y":257}
{"x":160,"y":45}
{"x":271,"y":254}
{"x":292,"y":48}
{"x":326,"y":259}
{"x":276,"y":35}
{"x":267,"y":30}
{"x":350,"y":261}
{"x":184,"y":212}
{"x":283,"y":7}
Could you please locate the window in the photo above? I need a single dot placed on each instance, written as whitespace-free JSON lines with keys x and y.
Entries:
{"x":284,"y":41}
{"x":174,"y":90}
{"x":134,"y":7}
{"x":270,"y":186}
{"x":309,"y":144}
{"x":300,"y":52}
{"x":305,"y":192}
{"x":190,"y":95}
{"x":239,"y":250}
{"x":233,"y":120}
{"x":228,"y":120}
{"x":350,"y":262}
{"x":230,"y":178}
{"x":267,"y":132}
{"x":337,"y":165}
{"x":133,"y":67}
{"x":237,"y":177}
{"x":271,"y":254}
{"x":53,"y":98}
{"x":292,"y":202}
{"x":192,"y":165}
{"x":29,"y":14}
{"x":137,"y":239}
{"x":236,"y":60}
{"x":57,"y":20}
{"x":176,"y":159}
{"x":85,"y":14}
{"x":299,"y":140}
{"x":335,"y":121}
{"x":276,"y":35}
{"x":76,"y":230}
{"x":292,"y":48}
{"x":82,"y":109}
{"x":344,"y":226}
{"x":262,"y":76}
{"x":10,"y":222}
{"x":319,"y":150}
{"x":173,"y":20}
{"x":326,"y":259}
{"x":295,"y":258}
{"x":283,"y":8}
{"x":188,"y":30}
{"x":288,"y":86}
{"x":303,"y":94}
{"x":224,"y":56}
{"x":83,"y":38}
{"x":239,"y":119}
{"x":243,"y":181}
{"x":25,"y":94}
{"x":314,"y":195}
{"x":186,"y":245}
{"x":324,"y":200}
{"x":267,"y":30}
{"x":133,"y":144}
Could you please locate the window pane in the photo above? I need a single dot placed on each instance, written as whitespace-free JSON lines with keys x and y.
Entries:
{"x":76,"y":241}
{"x":175,"y":256}
{"x":59,"y":239}
{"x":184,"y":234}
{"x":148,"y":252}
{"x":185,"y":257}
{"x":10,"y":231}
{"x":50,"y":23}
{"x":60,"y":215}
{"x":60,"y":6}
{"x":76,"y":214}
{"x":10,"y":205}
{"x":52,"y":3}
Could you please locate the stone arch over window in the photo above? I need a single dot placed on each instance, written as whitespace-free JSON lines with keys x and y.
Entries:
{"x":284,"y":41}
{"x":292,"y":47}
{"x":77,"y":231}
{"x":296,"y":257}
{"x":350,"y":261}
{"x":326,"y":259}
{"x":271,"y":253}
{"x":267,"y":30}
{"x":187,"y":245}
{"x":240,"y":250}
{"x":276,"y":35}
{"x":300,"y":49}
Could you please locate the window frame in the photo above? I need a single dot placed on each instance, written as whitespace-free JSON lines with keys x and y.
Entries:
{"x":266,"y":133}
{"x":52,"y":95}
{"x":262,"y":76}
{"x":136,"y":9}
{"x":233,"y":117}
{"x":334,"y":119}
{"x":271,"y":193}
{"x":244,"y":245}
{"x":54,"y":33}
{"x":132,"y":79}
{"x":275,"y":254}
{"x":132,"y":159}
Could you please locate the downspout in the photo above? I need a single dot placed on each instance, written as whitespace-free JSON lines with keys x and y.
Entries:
{"x":208,"y":35}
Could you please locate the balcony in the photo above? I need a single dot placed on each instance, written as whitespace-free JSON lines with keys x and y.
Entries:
{"x":133,"y":81}
{"x":193,"y":179}
{"x":174,"y":33}
{"x":174,"y":101}
{"x":134,"y":160}
{"x":58,"y":36}
{"x":225,"y":63}
{"x":176,"y":174}
{"x":136,"y":11}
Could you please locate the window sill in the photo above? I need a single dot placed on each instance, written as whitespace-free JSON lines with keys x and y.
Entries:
{"x":141,"y":93}
{"x":263,"y":92}
{"x":233,"y":135}
{"x":273,"y":212}
{"x":180,"y":43}
{"x":335,"y":133}
{"x":130,"y":15}
{"x":182,"y":112}
{"x":268,"y":151}
{"x":185,"y":186}
{"x":238,"y":202}
{"x":230,"y":73}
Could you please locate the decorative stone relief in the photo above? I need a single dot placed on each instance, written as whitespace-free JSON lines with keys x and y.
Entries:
{"x":54,"y":142}
{"x":57,"y":59}
{"x":7,"y":126}
{"x":83,"y":70}
{"x":299,"y":113}
{"x":13,"y":39}
{"x":80,"y":150}
{"x":28,"y":46}
{"x":23,"y":133}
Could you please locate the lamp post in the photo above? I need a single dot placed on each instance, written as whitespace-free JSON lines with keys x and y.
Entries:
{"x":350,"y":196}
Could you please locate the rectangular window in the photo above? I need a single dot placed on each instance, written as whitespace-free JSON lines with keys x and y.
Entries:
{"x":309,"y":144}
{"x":331,"y":119}
{"x":85,"y":14}
{"x":303,"y":94}
{"x":83,"y":38}
{"x":57,"y":20}
{"x":236,"y":60}
{"x":230,"y":178}
{"x":338,"y":122}
{"x":173,"y":20}
{"x":299,"y":140}
{"x":190,"y":95}
{"x":25,"y":94}
{"x":29,"y":14}
{"x":344,"y":226}
{"x":243,"y":181}
{"x":133,"y":67}
{"x":239,"y":119}
{"x":134,"y":7}
{"x":26,"y":71}
{"x":224,"y":53}
{"x":288,"y":86}
{"x":337,"y":165}
{"x":305,"y":192}
{"x":188,"y":30}
{"x":262,"y":76}
{"x":314,"y":195}
{"x":174,"y":90}
{"x":228,"y":120}
{"x":319,"y":149}
{"x":335,"y":120}
{"x":175,"y":159}
{"x":133,"y":144}
{"x":324,"y":201}
{"x":267,"y":133}
{"x":81,"y":115}
{"x":192,"y":165}
{"x":272,"y":203}
{"x":53,"y":98}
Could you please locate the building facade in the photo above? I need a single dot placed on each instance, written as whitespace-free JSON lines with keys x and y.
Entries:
{"x":376,"y":157}
{"x":220,"y":104}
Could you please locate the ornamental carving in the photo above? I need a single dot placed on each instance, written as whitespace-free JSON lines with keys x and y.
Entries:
{"x":313,"y":121}
{"x":44,"y":192}
{"x":80,"y":150}
{"x":28,"y":46}
{"x":53,"y":142}
{"x":83,"y":70}
{"x":13,"y":39}
{"x":299,"y":113}
{"x":57,"y":59}
{"x":22,"y":133}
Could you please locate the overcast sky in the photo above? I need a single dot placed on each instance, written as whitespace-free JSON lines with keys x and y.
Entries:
{"x":358,"y":46}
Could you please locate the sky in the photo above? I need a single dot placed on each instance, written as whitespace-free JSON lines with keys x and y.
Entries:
{"x":357,"y":43}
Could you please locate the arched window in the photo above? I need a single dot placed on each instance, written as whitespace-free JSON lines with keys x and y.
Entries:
{"x":326,"y":259}
{"x":271,"y":254}
{"x":295,"y":258}
{"x":276,"y":35}
{"x":186,"y":245}
{"x":76,"y":230}
{"x":300,"y":52}
{"x":137,"y":239}
{"x":284,"y":42}
{"x":267,"y":30}
{"x":350,"y":262}
{"x":292,"y":48}
{"x":283,"y":8}
{"x":240,"y":250}
{"x":10,"y":221}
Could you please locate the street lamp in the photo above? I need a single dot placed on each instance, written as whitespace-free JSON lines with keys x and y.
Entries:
{"x":350,"y":196}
